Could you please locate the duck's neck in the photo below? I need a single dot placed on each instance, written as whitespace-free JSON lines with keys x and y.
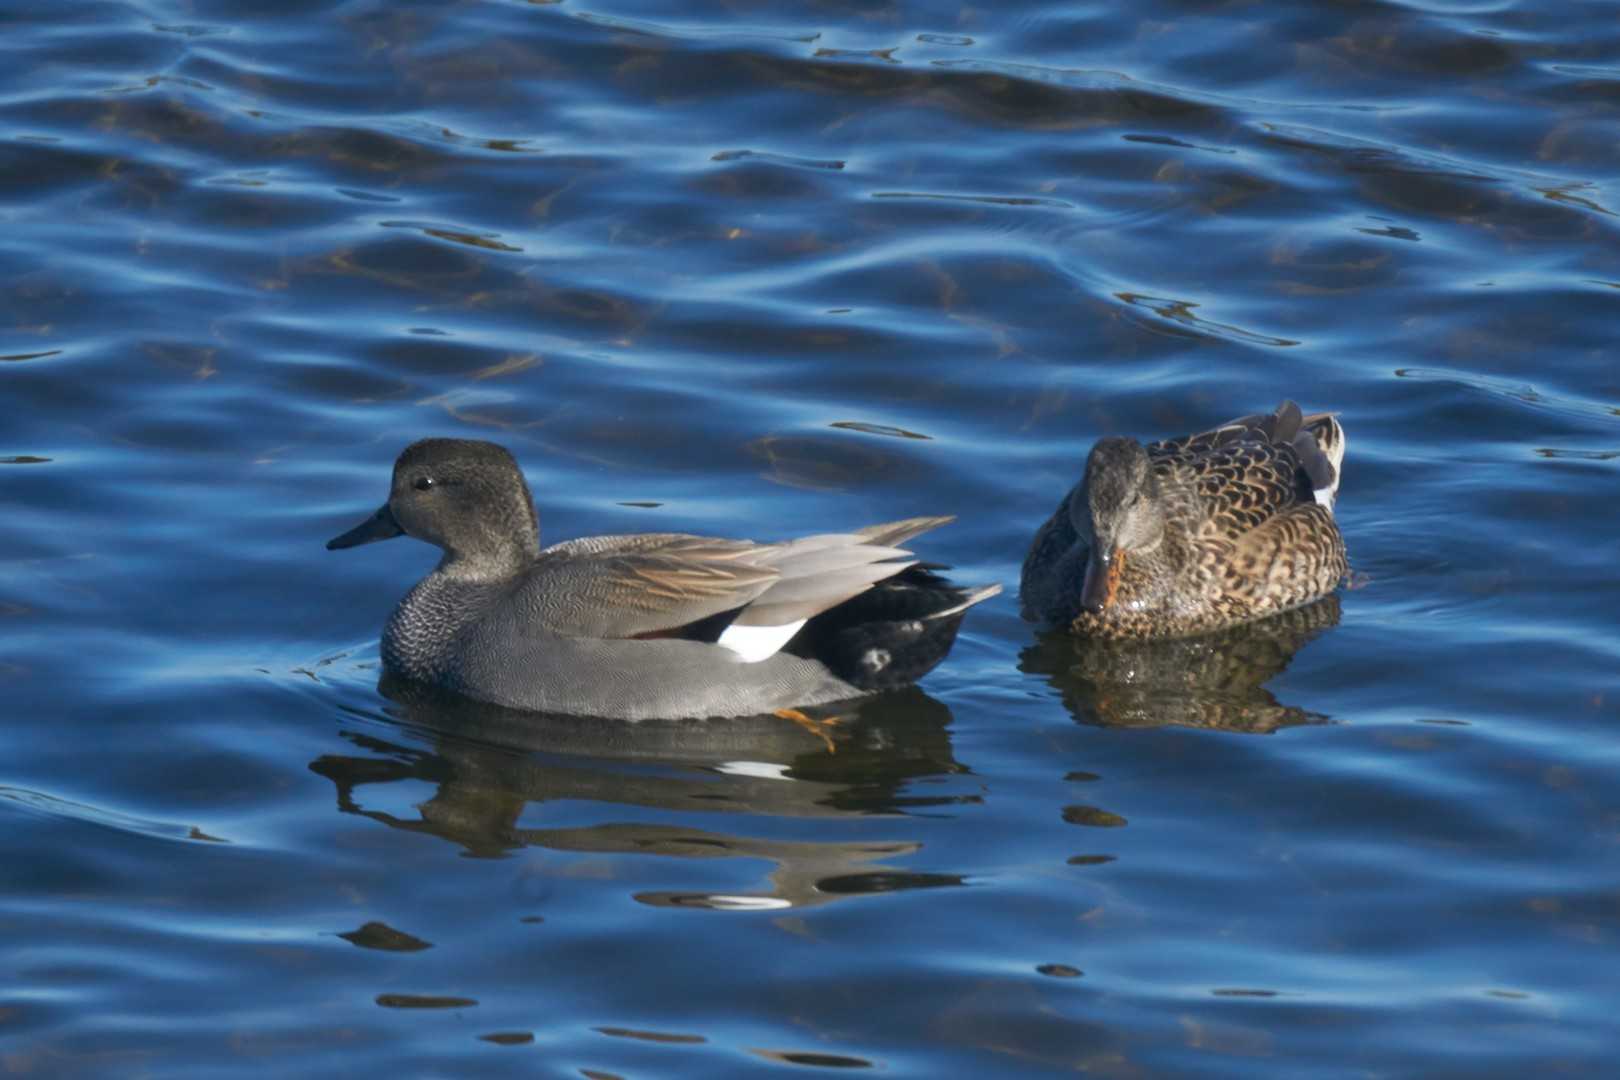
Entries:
{"x":494,"y":547}
{"x":489,"y":566}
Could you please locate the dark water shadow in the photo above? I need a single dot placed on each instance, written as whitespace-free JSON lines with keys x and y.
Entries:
{"x":499,"y":773}
{"x":1211,"y":681}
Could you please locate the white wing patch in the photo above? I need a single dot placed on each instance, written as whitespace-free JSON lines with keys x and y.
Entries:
{"x":756,"y":643}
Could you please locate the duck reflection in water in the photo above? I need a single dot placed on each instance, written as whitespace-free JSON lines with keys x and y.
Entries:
{"x":495,"y":770}
{"x":1211,"y":681}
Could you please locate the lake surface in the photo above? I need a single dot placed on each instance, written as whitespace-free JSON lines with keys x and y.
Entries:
{"x":761,"y":270}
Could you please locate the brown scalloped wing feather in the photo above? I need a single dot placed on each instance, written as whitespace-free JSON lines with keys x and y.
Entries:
{"x":1233,"y":481}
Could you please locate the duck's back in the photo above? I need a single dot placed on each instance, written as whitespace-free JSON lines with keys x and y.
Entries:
{"x":1255,"y":501}
{"x":1237,"y":476}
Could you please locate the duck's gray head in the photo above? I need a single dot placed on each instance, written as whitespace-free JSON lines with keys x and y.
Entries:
{"x":463,"y":495}
{"x":1116,"y":511}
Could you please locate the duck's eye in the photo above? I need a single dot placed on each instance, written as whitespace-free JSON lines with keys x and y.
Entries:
{"x":423,"y":483}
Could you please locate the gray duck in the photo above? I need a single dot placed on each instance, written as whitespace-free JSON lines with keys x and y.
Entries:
{"x":1195,"y":533}
{"x":654,"y":625}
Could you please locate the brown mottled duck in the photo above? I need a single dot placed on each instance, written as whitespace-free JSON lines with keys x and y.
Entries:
{"x":1194,"y":533}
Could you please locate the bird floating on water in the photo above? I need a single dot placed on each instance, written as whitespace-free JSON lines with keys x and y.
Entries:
{"x":1195,"y":533}
{"x":655,"y":625}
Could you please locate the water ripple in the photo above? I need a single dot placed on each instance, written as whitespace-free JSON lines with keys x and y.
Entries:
{"x":42,"y":803}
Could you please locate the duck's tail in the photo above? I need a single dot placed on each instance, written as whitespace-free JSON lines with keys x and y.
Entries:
{"x":892,"y":634}
{"x":1328,"y":438}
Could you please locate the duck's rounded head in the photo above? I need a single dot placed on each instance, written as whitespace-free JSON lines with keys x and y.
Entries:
{"x":463,"y":495}
{"x":1116,"y":512}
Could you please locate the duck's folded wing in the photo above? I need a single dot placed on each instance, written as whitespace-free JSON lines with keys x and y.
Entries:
{"x":1250,"y":469}
{"x":1280,"y":426}
{"x":642,"y":585}
{"x":1317,"y":441}
{"x":656,"y":584}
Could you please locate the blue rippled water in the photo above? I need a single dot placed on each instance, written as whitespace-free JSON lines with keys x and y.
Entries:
{"x":759,"y":270}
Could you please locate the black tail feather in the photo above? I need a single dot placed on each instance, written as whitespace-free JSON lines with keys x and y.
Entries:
{"x":892,"y":634}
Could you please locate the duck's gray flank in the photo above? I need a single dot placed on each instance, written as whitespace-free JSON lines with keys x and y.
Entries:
{"x":647,"y":625}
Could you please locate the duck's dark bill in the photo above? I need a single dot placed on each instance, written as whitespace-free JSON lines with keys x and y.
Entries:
{"x":379,"y":526}
{"x":1102,"y":580}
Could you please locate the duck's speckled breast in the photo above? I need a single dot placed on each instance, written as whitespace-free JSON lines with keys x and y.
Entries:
{"x":423,"y":635}
{"x":1162,"y":593}
{"x":1196,"y":584}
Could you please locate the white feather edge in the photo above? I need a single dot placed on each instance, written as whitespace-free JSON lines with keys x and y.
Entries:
{"x":1335,"y":455}
{"x":755,"y":643}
